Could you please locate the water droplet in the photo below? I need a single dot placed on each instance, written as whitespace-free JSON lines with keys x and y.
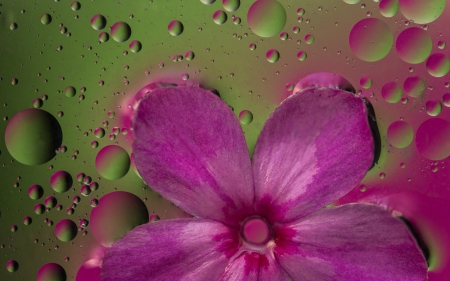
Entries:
{"x":370,"y":39}
{"x":32,"y":136}
{"x":400,"y":134}
{"x":116,"y":214}
{"x":391,"y":92}
{"x":50,"y":202}
{"x":266,"y":18}
{"x":245,"y":117}
{"x":98,"y":22}
{"x":85,"y":190}
{"x":207,"y":2}
{"x":272,"y":55}
{"x":27,"y":220}
{"x":382,"y":175}
{"x":120,"y":31}
{"x":446,"y":99}
{"x":51,"y":272}
{"x":75,"y":6}
{"x":38,"y":103}
{"x":112,"y":162}
{"x":366,"y":82}
{"x":414,"y":86}
{"x":35,"y":191}
{"x":70,"y":91}
{"x":175,"y":28}
{"x":302,"y":55}
{"x":12,"y":266}
{"x":46,"y":19}
{"x":413,"y":45}
{"x":189,"y":55}
{"x":252,"y":46}
{"x":433,"y":139}
{"x":231,"y":5}
{"x":388,"y":8}
{"x":438,"y":65}
{"x":421,"y":11}
{"x":135,"y":46}
{"x":13,"y":26}
{"x":39,"y":209}
{"x":309,"y":38}
{"x":433,"y":107}
{"x":220,"y":17}
{"x":61,"y":181}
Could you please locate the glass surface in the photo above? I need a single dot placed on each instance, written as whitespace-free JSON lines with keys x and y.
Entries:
{"x":83,"y":62}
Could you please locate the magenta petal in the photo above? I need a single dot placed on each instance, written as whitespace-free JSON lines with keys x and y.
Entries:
{"x":189,"y":147}
{"x":350,"y":242}
{"x":254,"y":267}
{"x":314,"y":148}
{"x":180,"y":249}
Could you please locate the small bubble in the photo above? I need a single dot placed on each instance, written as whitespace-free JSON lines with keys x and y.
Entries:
{"x":301,"y":55}
{"x":13,"y":26}
{"x":272,"y":55}
{"x":382,"y":175}
{"x":220,"y":17}
{"x":175,"y":28}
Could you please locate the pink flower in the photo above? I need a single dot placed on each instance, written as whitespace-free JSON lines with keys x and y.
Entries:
{"x":260,"y":219}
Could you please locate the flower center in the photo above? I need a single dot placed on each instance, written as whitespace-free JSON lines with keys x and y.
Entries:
{"x":256,"y":230}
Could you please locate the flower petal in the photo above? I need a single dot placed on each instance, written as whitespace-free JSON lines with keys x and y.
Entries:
{"x":350,"y":242}
{"x":254,"y":267}
{"x":314,"y":148}
{"x":179,"y":249}
{"x":189,"y":147}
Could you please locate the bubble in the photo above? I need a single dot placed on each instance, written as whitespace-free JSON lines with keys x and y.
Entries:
{"x":32,"y":136}
{"x":414,"y":86}
{"x":446,"y":99}
{"x":438,"y":65}
{"x":207,"y":2}
{"x":51,"y":272}
{"x":366,"y":82}
{"x":46,"y":19}
{"x":352,"y":1}
{"x":99,"y":132}
{"x":12,"y":266}
{"x":38,"y":103}
{"x":266,"y":18}
{"x":400,"y":134}
{"x":70,"y":91}
{"x":272,"y":55}
{"x":189,"y":55}
{"x":301,"y":55}
{"x":50,"y":202}
{"x":421,"y":11}
{"x":98,"y":22}
{"x":441,"y":45}
{"x":391,"y":92}
{"x":35,"y":191}
{"x":370,"y":39}
{"x":120,"y":31}
{"x":231,"y":5}
{"x":61,"y":181}
{"x":66,"y":230}
{"x":433,"y":107}
{"x":103,"y":37}
{"x":175,"y":28}
{"x":135,"y":46}
{"x":13,"y":26}
{"x":433,"y":139}
{"x":245,"y":117}
{"x":89,"y":271}
{"x":112,"y":162}
{"x":220,"y":17}
{"x":116,"y":214}
{"x":27,"y":220}
{"x":85,"y":190}
{"x":39,"y":209}
{"x":75,"y":6}
{"x":309,"y":38}
{"x":413,"y":45}
{"x":388,"y":8}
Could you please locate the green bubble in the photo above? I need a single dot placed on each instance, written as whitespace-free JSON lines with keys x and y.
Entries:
{"x":245,"y":117}
{"x":32,"y":136}
{"x":266,"y":18}
{"x":120,"y":31}
{"x":421,"y":11}
{"x":112,"y":162}
{"x":175,"y":28}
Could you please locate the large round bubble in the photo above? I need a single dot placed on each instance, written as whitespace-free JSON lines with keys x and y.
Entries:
{"x":112,"y":162}
{"x":413,"y":45}
{"x":422,"y":11}
{"x":433,"y":139}
{"x":370,"y":39}
{"x":116,"y":214}
{"x":120,"y":31}
{"x":66,"y":230}
{"x":32,"y":136}
{"x":266,"y":18}
{"x":400,"y":134}
{"x":51,"y":272}
{"x":61,"y":181}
